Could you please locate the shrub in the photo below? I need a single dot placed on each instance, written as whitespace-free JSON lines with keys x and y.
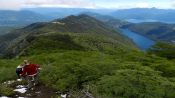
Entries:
{"x":135,"y":83}
{"x":6,"y":91}
{"x":163,"y":49}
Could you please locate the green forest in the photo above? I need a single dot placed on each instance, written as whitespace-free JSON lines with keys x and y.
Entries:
{"x":106,"y":64}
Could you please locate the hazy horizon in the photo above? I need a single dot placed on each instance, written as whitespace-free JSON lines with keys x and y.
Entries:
{"x":92,"y":4}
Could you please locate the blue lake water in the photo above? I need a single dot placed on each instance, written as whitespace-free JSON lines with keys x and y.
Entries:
{"x":142,"y":42}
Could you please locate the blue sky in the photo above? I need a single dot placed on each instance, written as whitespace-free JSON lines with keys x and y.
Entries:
{"x":117,"y":4}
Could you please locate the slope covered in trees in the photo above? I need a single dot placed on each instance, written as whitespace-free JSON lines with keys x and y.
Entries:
{"x":80,"y":53}
{"x":154,"y":30}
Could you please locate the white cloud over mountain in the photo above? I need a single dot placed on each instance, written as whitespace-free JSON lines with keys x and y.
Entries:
{"x":59,"y":3}
{"x":18,"y":4}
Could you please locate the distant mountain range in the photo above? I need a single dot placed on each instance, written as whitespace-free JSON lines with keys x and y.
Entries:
{"x":10,"y":20}
{"x":63,"y":12}
{"x":20,"y":18}
{"x":137,"y":14}
{"x":146,"y":14}
{"x":113,"y":18}
{"x":154,"y":30}
{"x":31,"y":15}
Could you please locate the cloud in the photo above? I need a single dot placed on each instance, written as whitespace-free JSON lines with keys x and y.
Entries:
{"x":59,"y":3}
{"x":173,"y":4}
{"x":124,"y":5}
{"x":10,"y":4}
{"x":119,"y":4}
{"x":142,"y":5}
{"x":18,"y":4}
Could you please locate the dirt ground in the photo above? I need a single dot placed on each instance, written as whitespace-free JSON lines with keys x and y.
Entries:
{"x":40,"y":91}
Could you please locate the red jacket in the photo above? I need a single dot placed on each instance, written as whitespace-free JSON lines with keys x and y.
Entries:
{"x":30,"y":70}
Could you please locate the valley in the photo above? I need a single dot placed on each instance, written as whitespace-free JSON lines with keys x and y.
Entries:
{"x":154,"y":30}
{"x":142,"y":42}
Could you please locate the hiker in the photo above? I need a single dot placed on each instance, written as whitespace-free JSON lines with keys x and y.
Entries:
{"x":19,"y":70}
{"x":31,"y":71}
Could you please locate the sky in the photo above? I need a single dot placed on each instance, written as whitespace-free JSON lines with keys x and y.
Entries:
{"x":110,"y":4}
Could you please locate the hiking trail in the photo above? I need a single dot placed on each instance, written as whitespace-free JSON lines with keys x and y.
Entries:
{"x":39,"y":91}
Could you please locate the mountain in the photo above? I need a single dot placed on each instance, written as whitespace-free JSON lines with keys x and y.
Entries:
{"x":6,"y":29}
{"x":19,"y":18}
{"x":71,"y":33}
{"x":109,"y":20}
{"x":154,"y":30}
{"x":64,"y":12}
{"x":146,"y":14}
{"x":83,"y":57}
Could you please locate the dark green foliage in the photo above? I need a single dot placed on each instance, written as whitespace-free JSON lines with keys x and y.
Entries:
{"x":71,"y":70}
{"x":121,"y":74}
{"x":51,"y":43}
{"x":6,"y":91}
{"x":135,"y":83}
{"x":163,"y":49}
{"x":8,"y":68}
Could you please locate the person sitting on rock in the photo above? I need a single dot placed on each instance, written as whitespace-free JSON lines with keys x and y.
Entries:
{"x":31,"y":70}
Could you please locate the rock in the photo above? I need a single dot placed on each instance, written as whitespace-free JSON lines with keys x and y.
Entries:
{"x":21,"y":90}
{"x":63,"y":95}
{"x":19,"y":80}
{"x":4,"y":97}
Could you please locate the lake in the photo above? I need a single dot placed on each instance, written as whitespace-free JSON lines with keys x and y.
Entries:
{"x":142,"y":42}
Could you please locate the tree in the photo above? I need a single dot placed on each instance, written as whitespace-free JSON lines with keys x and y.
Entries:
{"x":129,"y":83}
{"x":162,"y":49}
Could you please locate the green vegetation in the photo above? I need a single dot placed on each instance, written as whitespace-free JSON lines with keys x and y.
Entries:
{"x":7,"y":71}
{"x":6,"y":91}
{"x":5,"y":29}
{"x":77,"y":31}
{"x":106,"y":64}
{"x":135,"y":83}
{"x":163,"y":49}
{"x":120,"y":74}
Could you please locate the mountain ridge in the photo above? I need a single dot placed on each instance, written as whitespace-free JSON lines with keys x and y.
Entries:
{"x":81,"y":55}
{"x":66,"y":29}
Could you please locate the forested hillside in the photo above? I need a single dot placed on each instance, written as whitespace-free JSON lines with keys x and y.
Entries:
{"x":154,"y":30}
{"x":81,"y":53}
